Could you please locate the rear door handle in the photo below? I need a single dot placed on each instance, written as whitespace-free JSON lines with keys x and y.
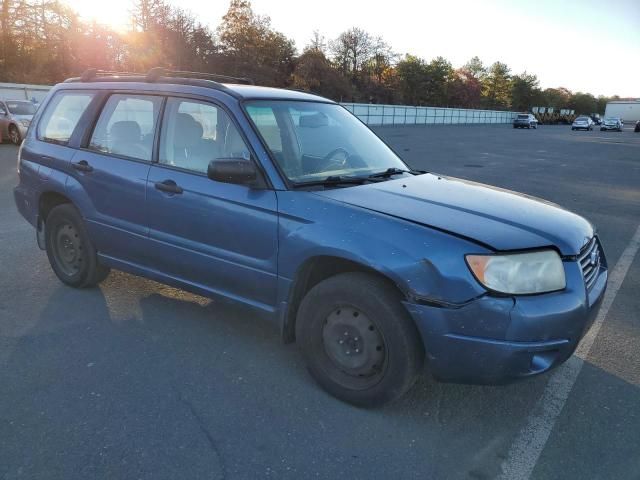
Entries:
{"x":168,"y":186}
{"x":82,"y":166}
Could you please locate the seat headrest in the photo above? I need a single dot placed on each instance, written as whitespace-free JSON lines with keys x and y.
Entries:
{"x":126,"y":131}
{"x":188,"y":131}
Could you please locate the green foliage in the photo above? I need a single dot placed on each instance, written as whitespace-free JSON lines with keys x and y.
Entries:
{"x":497,"y":87}
{"x":583,"y":103}
{"x":43,"y":41}
{"x":525,"y":91}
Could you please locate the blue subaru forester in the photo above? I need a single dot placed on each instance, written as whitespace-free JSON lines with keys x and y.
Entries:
{"x":287,"y":203}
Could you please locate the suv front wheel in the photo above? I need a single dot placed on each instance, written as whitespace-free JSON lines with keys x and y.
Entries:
{"x":71,"y":254}
{"x":359,"y":342}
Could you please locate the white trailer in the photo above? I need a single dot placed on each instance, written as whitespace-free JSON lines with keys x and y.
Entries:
{"x":627,"y":110}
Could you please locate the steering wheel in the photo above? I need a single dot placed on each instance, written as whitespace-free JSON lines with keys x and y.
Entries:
{"x":336,"y":164}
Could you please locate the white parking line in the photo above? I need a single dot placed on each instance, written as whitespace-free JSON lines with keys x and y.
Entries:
{"x":528,"y":445}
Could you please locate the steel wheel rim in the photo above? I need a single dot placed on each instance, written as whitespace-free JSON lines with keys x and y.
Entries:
{"x":353,"y":343}
{"x":68,"y":249}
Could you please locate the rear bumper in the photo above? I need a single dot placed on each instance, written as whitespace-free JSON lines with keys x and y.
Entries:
{"x":609,"y":127}
{"x":494,"y":340}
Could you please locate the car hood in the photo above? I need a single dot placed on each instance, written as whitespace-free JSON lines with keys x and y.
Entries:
{"x":500,"y":219}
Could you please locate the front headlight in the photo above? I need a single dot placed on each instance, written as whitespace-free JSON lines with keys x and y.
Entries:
{"x":25,"y":123}
{"x":519,"y":273}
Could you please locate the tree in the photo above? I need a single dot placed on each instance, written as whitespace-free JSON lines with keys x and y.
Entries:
{"x":475,"y":69}
{"x":524,"y":91}
{"x":252,"y":48}
{"x":317,"y":43}
{"x":438,"y":74}
{"x":465,"y":89}
{"x":497,"y":87}
{"x":351,"y":50}
{"x":583,"y":103}
{"x":411,"y":72}
{"x":556,"y":97}
{"x":315,"y":73}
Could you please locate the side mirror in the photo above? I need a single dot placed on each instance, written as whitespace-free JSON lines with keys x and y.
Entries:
{"x":233,"y":170}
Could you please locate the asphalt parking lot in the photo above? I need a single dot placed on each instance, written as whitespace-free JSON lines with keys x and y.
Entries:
{"x":139,"y":380}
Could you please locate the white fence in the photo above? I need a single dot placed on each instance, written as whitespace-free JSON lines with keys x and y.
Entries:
{"x":20,"y":91}
{"x":404,"y":115}
{"x":374,"y":115}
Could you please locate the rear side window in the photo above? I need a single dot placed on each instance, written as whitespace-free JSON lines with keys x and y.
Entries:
{"x":126,"y":126}
{"x":62,"y":115}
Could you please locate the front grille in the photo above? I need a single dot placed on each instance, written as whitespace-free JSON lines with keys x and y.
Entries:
{"x":590,"y":259}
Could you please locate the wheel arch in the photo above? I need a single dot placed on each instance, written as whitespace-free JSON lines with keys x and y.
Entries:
{"x":47,"y":201}
{"x":311,"y":272}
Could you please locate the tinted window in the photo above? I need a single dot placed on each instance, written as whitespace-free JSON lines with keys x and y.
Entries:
{"x":21,"y":108}
{"x":62,"y":116}
{"x":195,"y":133}
{"x":126,"y":126}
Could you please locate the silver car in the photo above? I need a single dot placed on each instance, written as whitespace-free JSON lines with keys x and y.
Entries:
{"x":15,"y":118}
{"x":582,"y":123}
{"x":611,"y":123}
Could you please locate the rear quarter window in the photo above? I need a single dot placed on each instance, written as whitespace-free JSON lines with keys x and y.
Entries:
{"x":62,"y":116}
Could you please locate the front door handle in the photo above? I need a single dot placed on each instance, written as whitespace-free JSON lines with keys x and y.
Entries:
{"x":168,"y":186}
{"x":82,"y":166}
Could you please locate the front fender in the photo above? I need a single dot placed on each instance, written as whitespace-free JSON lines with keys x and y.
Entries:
{"x":424,"y":263}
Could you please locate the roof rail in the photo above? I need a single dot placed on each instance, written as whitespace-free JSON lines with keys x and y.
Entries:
{"x":92,"y":73}
{"x":155,"y":73}
{"x":159,"y":74}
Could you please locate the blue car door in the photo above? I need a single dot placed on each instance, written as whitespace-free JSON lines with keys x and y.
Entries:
{"x":219,"y":237}
{"x":112,"y":169}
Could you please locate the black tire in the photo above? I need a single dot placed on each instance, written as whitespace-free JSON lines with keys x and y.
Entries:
{"x":572,"y":129}
{"x":71,"y":254}
{"x":14,"y":135}
{"x":387,"y":349}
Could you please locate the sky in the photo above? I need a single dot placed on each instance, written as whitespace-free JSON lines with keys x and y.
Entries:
{"x":583,"y":45}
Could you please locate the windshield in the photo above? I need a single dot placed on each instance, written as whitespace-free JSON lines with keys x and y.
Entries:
{"x":21,"y":108}
{"x":312,"y":141}
{"x":582,"y":119}
{"x":523,"y":116}
{"x":611,"y":119}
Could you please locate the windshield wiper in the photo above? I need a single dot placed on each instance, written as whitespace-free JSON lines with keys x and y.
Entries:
{"x":395,"y":171}
{"x":332,"y":180}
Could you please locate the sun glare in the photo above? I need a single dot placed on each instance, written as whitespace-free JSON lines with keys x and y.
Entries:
{"x":113,"y":13}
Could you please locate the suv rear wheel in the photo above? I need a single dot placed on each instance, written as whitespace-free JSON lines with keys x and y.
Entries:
{"x":71,"y":254}
{"x":358,"y":341}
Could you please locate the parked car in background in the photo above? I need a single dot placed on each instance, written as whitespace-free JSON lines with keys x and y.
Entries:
{"x":612,"y":123}
{"x":525,"y":120}
{"x":287,"y":203}
{"x":637,"y":127}
{"x":582,"y":123}
{"x":15,"y":118}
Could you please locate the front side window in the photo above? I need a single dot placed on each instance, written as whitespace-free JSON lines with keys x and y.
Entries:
{"x":312,"y":141}
{"x":126,"y":126}
{"x":195,"y":133}
{"x":62,"y":116}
